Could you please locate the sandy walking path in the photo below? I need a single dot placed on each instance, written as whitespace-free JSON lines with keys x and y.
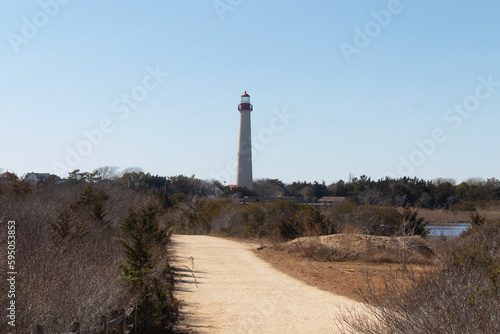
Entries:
{"x":239,"y":293}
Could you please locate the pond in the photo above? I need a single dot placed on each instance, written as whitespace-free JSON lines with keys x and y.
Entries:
{"x":446,"y":229}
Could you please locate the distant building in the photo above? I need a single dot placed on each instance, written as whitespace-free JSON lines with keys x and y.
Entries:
{"x":299,"y":200}
{"x":331,"y":200}
{"x":7,"y":177}
{"x":34,"y":178}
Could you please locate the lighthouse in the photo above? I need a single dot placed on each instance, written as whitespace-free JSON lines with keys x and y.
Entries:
{"x":244,"y":168}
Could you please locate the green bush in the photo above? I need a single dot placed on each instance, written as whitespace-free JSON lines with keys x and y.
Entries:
{"x":282,"y":220}
{"x":198,"y":216}
{"x":158,"y":310}
{"x":254,"y":222}
{"x":293,"y":220}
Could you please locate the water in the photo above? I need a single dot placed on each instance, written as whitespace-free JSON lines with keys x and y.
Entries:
{"x":447,"y":230}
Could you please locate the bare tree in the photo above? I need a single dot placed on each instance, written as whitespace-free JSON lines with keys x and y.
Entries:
{"x":131,"y":170}
{"x":107,"y":172}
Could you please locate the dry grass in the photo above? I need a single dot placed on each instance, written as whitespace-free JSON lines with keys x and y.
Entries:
{"x":346,"y":278}
{"x":458,"y":295}
{"x":344,"y":263}
{"x":446,"y":300}
{"x":461,"y":296}
{"x":361,"y":247}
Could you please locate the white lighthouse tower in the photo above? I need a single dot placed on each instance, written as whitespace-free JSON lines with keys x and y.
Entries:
{"x":244,"y":176}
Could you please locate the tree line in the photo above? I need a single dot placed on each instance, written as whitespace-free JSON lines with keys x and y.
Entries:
{"x":398,"y":192}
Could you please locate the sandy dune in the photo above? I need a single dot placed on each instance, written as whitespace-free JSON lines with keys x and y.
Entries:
{"x":239,"y":293}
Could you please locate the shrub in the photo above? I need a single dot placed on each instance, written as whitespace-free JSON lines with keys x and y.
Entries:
{"x":453,"y":300}
{"x":366,"y":219}
{"x":464,"y":206}
{"x":255,"y":222}
{"x":461,"y":297}
{"x":198,"y":216}
{"x":142,"y":228}
{"x":64,"y":223}
{"x":293,"y":220}
{"x":282,"y":220}
{"x":70,"y":262}
{"x":411,"y":224}
{"x":476,"y":219}
{"x":66,"y":275}
{"x":478,"y":247}
{"x":145,"y":251}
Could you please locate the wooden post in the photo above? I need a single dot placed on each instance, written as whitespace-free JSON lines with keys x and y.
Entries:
{"x":104,"y":321}
{"x":124,"y":321}
{"x":38,"y":329}
{"x":75,"y":327}
{"x":135,"y":319}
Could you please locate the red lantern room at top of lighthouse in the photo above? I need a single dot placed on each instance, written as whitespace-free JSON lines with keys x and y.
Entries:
{"x":245,"y":103}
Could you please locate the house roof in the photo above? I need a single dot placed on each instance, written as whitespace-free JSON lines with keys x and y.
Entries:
{"x":39,"y":176}
{"x":7,"y":175}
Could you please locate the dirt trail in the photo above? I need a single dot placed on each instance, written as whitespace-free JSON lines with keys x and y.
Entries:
{"x":239,"y":293}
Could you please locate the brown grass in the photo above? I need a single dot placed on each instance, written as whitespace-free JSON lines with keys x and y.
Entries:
{"x":344,"y":264}
{"x":361,"y":247}
{"x":346,"y":278}
{"x":460,"y":296}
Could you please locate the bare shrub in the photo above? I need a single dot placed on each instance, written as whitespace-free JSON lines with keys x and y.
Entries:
{"x":454,"y":300}
{"x":227,"y":221}
{"x":63,"y":279}
{"x":313,"y":248}
{"x":367,"y":219}
{"x":462,"y":296}
{"x":359,"y":247}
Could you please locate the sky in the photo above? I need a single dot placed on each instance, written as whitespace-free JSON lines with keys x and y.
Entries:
{"x":339,"y":88}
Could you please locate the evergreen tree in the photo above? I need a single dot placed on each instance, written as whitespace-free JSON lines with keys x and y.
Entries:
{"x":142,"y":229}
{"x":413,"y":225}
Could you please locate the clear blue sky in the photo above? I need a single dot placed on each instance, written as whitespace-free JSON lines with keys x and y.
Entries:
{"x":65,"y":68}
